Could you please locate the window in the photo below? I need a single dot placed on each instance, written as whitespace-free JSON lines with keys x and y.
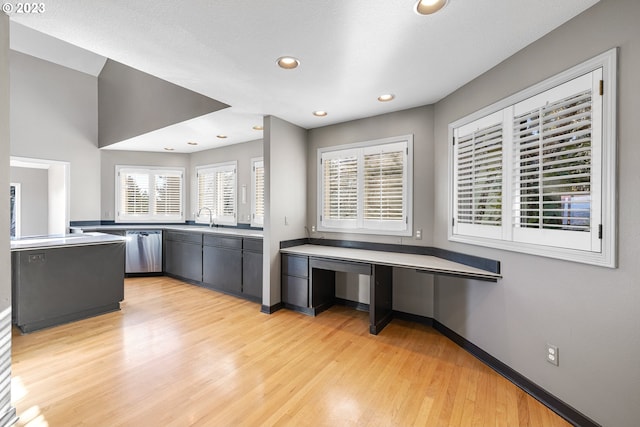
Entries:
{"x":216,"y":190}
{"x":149,"y":194}
{"x":14,"y":208}
{"x":365,"y":187}
{"x":536,"y":173}
{"x":257,"y":191}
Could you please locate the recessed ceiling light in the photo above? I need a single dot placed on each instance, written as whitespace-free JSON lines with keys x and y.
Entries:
{"x":319,"y":113}
{"x":169,"y":148}
{"x":258,"y":127}
{"x":221,"y":136}
{"x":192,"y":143}
{"x":427,"y":7}
{"x":386,"y":97}
{"x":288,"y":62}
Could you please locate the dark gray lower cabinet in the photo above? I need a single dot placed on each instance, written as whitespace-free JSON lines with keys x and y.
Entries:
{"x":222,"y":263}
{"x":230,"y":264}
{"x":295,"y":282}
{"x":183,"y":255}
{"x":51,"y":286}
{"x":252,"y":269}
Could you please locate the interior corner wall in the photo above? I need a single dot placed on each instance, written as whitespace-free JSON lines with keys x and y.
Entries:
{"x":54,"y":116}
{"x":413,"y":291}
{"x":589,"y":312}
{"x":285,"y":163}
{"x":242,"y":153}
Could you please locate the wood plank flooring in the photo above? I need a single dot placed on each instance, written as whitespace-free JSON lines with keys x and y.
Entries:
{"x":180,"y":355}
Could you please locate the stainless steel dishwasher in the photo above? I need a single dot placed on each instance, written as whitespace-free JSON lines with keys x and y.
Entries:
{"x":144,"y":251}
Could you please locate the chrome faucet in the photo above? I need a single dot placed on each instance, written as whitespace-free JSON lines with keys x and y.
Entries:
{"x":211,"y":222}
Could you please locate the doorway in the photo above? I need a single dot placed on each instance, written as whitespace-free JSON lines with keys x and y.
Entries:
{"x":42,"y":203}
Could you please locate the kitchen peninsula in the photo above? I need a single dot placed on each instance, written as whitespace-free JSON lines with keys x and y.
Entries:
{"x":63,"y":278}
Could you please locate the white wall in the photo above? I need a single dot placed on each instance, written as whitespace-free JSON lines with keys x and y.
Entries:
{"x":285,"y":155}
{"x":591,"y":313}
{"x":242,"y":153}
{"x":413,"y":292}
{"x":54,"y":116}
{"x":34,"y":200}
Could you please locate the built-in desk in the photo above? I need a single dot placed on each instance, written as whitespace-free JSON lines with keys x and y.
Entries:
{"x":308,"y":276}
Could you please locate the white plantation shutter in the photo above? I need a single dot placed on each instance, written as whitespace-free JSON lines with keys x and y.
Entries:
{"x":257,"y":201}
{"x":340,"y":184}
{"x":365,"y":188}
{"x":553,"y":167}
{"x":149,"y":195}
{"x":478,"y":158}
{"x":217,"y":191}
{"x":168,"y":194}
{"x":385,"y":189}
{"x":536,"y":172}
{"x":134,"y":199}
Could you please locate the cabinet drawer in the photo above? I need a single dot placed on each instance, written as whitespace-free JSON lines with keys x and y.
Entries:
{"x":223,"y":242}
{"x":295,"y":290}
{"x":180,"y":236}
{"x":254,"y":245}
{"x":295,"y":265}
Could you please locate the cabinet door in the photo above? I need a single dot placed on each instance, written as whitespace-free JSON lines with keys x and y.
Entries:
{"x":222,"y":268}
{"x":183,"y":259}
{"x":252,"y":274}
{"x":295,"y":291}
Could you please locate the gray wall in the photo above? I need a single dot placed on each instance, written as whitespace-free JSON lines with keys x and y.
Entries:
{"x":242,"y":153}
{"x":591,"y":313}
{"x":54,"y":116}
{"x":413,"y":292}
{"x":110,"y":158}
{"x":132,"y":103}
{"x":34,"y":200}
{"x":285,"y":155}
{"x":6,"y":412}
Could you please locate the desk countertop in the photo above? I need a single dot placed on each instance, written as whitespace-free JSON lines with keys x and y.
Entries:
{"x":425,"y":263}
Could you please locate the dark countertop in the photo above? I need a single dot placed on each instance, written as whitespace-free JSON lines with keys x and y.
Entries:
{"x":240,"y":232}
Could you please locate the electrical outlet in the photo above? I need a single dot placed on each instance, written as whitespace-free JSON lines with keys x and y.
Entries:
{"x":313,"y":228}
{"x":552,"y":354}
{"x":419,"y":234}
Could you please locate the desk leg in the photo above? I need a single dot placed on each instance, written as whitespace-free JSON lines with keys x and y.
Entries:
{"x":381,"y":298}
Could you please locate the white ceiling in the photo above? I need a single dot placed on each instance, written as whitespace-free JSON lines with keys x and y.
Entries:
{"x":351,"y":51}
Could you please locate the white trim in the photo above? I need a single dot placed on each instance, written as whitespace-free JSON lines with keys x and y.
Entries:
{"x":603,"y":252}
{"x":150,"y":217}
{"x":60,"y":206}
{"x":358,"y":225}
{"x":255,"y":221}
{"x":212,"y":168}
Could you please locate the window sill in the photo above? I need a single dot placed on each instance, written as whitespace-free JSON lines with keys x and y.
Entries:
{"x":602,"y":259}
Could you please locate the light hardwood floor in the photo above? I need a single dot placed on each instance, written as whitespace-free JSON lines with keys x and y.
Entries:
{"x":180,"y":355}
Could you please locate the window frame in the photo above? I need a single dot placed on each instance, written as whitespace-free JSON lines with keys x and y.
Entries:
{"x":256,"y":220}
{"x":359,"y":225}
{"x":606,"y":175}
{"x":150,"y":217}
{"x":217,"y":167}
